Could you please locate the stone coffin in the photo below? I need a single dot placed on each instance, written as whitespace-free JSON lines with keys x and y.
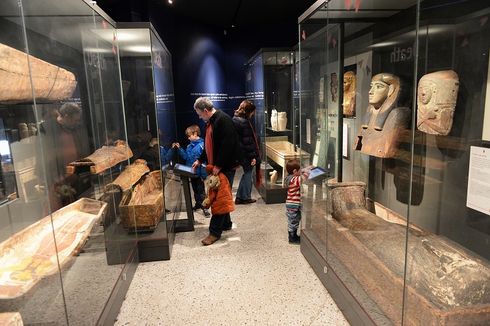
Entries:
{"x":51,"y":83}
{"x":446,"y":284}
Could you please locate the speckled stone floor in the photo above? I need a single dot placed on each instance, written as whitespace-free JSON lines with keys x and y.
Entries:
{"x":251,"y":276}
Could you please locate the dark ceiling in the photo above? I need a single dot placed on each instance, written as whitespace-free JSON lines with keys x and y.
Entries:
{"x":221,"y":13}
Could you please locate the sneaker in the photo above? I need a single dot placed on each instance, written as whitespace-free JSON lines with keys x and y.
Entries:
{"x":293,"y":237}
{"x":206,"y":212}
{"x":209,"y":240}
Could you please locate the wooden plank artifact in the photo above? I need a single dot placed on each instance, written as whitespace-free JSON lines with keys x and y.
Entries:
{"x":445,"y":283}
{"x":32,"y":254}
{"x":11,"y":319}
{"x":129,"y":177}
{"x":103,"y":158}
{"x":51,"y":83}
{"x":143,"y":206}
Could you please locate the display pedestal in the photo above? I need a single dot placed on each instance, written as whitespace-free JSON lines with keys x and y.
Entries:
{"x":154,"y":246}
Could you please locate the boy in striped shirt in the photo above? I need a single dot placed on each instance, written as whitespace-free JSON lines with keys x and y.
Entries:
{"x":293,"y":200}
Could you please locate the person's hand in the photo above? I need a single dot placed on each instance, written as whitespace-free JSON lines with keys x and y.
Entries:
{"x":254,"y":161}
{"x":177,"y":145}
{"x":196,"y":164}
{"x":216,"y":170}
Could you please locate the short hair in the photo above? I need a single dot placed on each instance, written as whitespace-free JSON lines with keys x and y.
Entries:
{"x":191,"y":130}
{"x":203,"y":103}
{"x":292,"y":165}
{"x":69,"y":110}
{"x":245,"y":109}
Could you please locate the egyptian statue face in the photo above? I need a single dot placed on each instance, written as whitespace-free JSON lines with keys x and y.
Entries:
{"x":436,"y":100}
{"x":378,"y":93}
{"x":347,"y":81}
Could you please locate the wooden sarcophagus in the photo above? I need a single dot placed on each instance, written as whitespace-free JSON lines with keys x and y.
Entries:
{"x":142,"y":206}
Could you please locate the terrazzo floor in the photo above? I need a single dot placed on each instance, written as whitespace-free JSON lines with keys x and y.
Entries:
{"x":251,"y":276}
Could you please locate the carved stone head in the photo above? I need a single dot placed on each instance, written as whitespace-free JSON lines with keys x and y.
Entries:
{"x":436,"y":100}
{"x":383,"y":95}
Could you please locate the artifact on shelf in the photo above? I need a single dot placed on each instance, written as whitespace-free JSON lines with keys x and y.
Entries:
{"x":32,"y":254}
{"x":383,"y":122}
{"x":349,"y":103}
{"x":282,"y":121}
{"x":50,"y":82}
{"x":373,"y":249}
{"x":273,"y":177}
{"x":103,"y":158}
{"x":142,"y":207}
{"x":129,"y":177}
{"x":436,"y":100}
{"x":23,"y":130}
{"x":274,"y":118}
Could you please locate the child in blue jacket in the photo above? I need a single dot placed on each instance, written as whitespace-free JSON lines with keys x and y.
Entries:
{"x":190,"y":155}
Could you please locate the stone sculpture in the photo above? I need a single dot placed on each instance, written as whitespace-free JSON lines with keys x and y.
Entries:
{"x":436,"y":100}
{"x":274,"y":119}
{"x":282,"y":121}
{"x":445,"y":284}
{"x":383,"y":122}
{"x":349,"y":103}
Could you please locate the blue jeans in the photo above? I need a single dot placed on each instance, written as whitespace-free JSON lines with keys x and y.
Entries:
{"x":244,"y":191}
{"x":294,"y":216}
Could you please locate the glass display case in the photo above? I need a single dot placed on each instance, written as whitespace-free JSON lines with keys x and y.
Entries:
{"x":146,"y":72}
{"x":399,"y":232}
{"x":64,"y":148}
{"x":270,"y":85}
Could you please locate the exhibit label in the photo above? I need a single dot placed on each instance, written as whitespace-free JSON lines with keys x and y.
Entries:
{"x":479,"y":180}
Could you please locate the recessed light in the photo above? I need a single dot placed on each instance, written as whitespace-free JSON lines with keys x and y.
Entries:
{"x":170,"y":2}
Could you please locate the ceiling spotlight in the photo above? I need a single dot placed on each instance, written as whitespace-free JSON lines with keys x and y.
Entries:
{"x":170,"y":2}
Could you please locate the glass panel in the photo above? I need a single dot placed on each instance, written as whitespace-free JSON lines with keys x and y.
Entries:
{"x":270,"y":78}
{"x":29,"y":269}
{"x":448,"y":245}
{"x":314,"y":102}
{"x":370,"y":48}
{"x":84,"y":146}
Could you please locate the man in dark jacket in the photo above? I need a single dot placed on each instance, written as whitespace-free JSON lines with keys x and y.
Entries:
{"x":222,"y":150}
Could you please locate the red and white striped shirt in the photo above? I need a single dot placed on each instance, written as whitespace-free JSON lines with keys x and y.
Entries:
{"x":294,"y":191}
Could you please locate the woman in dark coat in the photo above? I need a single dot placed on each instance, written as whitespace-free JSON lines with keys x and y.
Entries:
{"x":250,"y":150}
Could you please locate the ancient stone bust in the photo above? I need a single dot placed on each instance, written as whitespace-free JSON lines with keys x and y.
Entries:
{"x":436,"y":100}
{"x":349,"y":103}
{"x":383,"y":95}
{"x":384,"y":122}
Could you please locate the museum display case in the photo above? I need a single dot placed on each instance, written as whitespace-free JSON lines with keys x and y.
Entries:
{"x":270,"y":86}
{"x":63,"y":145}
{"x":146,"y":72}
{"x":399,"y":231}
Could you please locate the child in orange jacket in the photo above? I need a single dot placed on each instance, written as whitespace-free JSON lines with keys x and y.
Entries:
{"x":220,"y":199}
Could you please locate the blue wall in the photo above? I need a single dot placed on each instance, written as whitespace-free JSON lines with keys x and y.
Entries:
{"x":205,"y":59}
